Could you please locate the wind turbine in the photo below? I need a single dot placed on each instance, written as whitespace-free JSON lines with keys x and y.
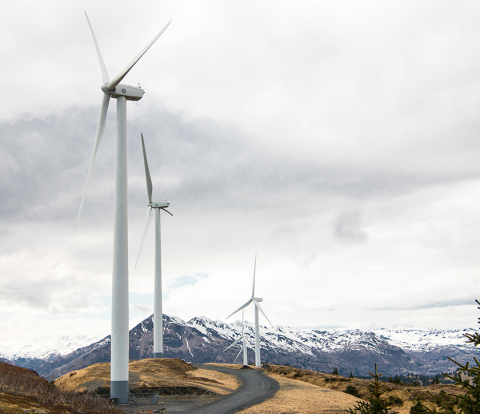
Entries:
{"x":112,"y":88}
{"x":157,"y":307}
{"x":243,"y":346}
{"x":257,"y":308}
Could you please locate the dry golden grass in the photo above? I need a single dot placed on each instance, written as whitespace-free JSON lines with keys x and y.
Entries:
{"x":150,"y":373}
{"x":23,"y":391}
{"x":407,"y":393}
{"x":300,"y":397}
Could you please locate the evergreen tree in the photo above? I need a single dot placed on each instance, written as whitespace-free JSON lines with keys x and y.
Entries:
{"x":351,"y":375}
{"x":335,"y":371}
{"x":470,"y":402}
{"x":375,"y":404}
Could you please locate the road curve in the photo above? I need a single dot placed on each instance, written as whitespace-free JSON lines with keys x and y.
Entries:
{"x":254,"y":388}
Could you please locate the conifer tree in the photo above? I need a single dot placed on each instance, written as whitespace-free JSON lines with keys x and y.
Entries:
{"x":375,"y":404}
{"x":470,"y":402}
{"x":335,"y":371}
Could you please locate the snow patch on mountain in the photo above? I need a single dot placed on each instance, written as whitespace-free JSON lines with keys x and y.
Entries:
{"x":47,"y":349}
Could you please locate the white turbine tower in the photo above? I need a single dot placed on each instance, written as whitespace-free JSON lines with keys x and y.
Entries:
{"x":123,"y":93}
{"x":243,"y":347}
{"x":257,"y":308}
{"x":157,"y":307}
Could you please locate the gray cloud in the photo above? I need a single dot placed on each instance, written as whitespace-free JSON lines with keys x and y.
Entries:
{"x":430,"y":305}
{"x":144,"y":307}
{"x":53,"y":295}
{"x":196,"y":164}
{"x":348,"y":227}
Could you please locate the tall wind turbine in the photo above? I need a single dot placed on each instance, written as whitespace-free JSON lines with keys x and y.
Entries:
{"x":243,"y":347}
{"x":112,"y":88}
{"x":257,"y":308}
{"x":157,"y":307}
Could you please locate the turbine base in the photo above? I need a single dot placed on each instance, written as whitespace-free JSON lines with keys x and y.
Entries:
{"x":119,"y":389}
{"x":158,"y":354}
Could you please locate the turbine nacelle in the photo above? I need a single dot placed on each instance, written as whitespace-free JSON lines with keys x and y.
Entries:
{"x":258,"y":299}
{"x":159,"y":204}
{"x":131,"y":93}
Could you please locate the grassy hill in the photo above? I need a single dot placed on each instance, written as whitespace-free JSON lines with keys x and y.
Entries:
{"x":22,"y":390}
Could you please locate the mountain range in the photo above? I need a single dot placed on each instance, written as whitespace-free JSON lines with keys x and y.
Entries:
{"x":200,"y":340}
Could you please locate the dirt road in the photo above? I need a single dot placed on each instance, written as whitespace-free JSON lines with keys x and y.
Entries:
{"x":254,"y":388}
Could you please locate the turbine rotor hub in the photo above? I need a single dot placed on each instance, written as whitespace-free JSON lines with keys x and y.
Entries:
{"x":106,"y":90}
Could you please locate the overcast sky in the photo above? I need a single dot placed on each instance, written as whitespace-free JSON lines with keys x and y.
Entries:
{"x":338,"y":140}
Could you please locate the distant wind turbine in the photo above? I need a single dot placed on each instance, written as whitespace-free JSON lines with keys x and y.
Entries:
{"x":243,"y":347}
{"x":122,"y":93}
{"x":257,"y":308}
{"x":157,"y":307}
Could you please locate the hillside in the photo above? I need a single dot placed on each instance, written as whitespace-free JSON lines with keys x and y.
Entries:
{"x":22,"y":391}
{"x":150,"y":376}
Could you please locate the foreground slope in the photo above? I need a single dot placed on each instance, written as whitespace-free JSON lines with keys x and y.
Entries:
{"x":23,"y":391}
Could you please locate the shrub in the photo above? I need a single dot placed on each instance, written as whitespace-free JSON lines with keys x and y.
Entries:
{"x":351,"y":389}
{"x":418,"y":408}
{"x":395,"y":400}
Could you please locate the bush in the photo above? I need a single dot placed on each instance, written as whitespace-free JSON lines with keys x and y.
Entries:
{"x":351,"y":389}
{"x":395,"y":400}
{"x":418,"y":408}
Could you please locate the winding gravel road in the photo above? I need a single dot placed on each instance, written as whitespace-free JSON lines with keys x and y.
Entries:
{"x":254,"y":388}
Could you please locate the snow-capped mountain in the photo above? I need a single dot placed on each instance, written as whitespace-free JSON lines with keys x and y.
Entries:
{"x":204,"y":340}
{"x":45,"y":350}
{"x":425,"y":340}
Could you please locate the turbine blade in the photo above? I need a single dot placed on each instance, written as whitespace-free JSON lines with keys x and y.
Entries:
{"x":117,"y":79}
{"x":98,"y":137}
{"x":145,"y":229}
{"x":261,"y":310}
{"x":240,"y":308}
{"x":232,"y":344}
{"x":105,"y":76}
{"x":164,"y":209}
{"x":243,"y":313}
{"x":147,"y":173}
{"x":239,"y":352}
{"x":254,"y":268}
